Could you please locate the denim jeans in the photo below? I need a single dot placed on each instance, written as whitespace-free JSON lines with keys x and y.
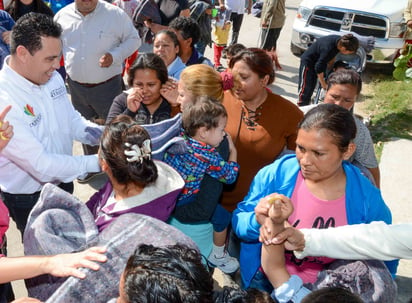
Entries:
{"x":260,"y":281}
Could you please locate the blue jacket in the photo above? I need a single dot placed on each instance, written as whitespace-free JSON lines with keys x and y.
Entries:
{"x":364,"y":204}
{"x":6,"y":24}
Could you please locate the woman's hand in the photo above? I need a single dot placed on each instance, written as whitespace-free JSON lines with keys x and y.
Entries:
{"x":134,"y":99}
{"x":6,"y":130}
{"x":169,"y":92}
{"x":265,"y":232}
{"x":262,"y":210}
{"x":154,"y":27}
{"x":65,"y":265}
{"x":292,"y":237}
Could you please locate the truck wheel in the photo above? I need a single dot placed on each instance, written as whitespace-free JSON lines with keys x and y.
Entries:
{"x":297,"y":51}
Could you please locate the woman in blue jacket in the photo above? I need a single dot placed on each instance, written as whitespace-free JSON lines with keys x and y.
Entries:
{"x":325,"y":190}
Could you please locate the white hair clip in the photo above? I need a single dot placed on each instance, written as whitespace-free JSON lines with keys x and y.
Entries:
{"x":136,"y":153}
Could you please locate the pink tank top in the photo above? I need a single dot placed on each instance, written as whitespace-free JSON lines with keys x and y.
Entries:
{"x":312,"y":212}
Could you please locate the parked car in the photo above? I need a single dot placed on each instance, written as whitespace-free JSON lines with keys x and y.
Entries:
{"x":382,"y":19}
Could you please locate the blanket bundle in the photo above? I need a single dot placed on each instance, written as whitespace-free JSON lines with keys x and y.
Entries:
{"x":60,"y":223}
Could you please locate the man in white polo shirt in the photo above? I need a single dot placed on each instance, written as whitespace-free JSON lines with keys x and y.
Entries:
{"x":44,"y":120}
{"x":97,"y":37}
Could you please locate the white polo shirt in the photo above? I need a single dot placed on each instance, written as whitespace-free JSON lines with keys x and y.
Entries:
{"x":236,"y":6}
{"x":86,"y":39}
{"x":45,"y":125}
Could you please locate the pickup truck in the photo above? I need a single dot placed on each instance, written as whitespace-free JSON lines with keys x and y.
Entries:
{"x":382,"y":19}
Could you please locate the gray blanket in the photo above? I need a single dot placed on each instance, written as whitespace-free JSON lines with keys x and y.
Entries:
{"x":60,"y":223}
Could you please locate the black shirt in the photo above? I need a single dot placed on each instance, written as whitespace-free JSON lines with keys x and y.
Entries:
{"x":320,"y":53}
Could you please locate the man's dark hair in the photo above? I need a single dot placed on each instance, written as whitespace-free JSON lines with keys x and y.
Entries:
{"x":187,"y":27}
{"x":172,"y":274}
{"x":29,"y":29}
{"x":332,"y":294}
{"x":236,"y":295}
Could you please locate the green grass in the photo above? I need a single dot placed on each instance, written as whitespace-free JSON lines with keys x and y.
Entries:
{"x":390,"y":105}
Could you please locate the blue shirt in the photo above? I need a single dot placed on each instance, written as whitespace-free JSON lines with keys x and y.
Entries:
{"x":175,"y":68}
{"x":364,"y":204}
{"x":6,"y":24}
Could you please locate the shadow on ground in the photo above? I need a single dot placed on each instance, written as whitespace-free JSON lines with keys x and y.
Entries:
{"x":404,"y":284}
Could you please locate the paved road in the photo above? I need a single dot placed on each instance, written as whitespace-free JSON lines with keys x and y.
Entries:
{"x":395,"y":164}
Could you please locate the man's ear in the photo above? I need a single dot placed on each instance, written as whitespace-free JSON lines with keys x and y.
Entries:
{"x":23,"y":54}
{"x":189,"y":41}
{"x":349,"y":152}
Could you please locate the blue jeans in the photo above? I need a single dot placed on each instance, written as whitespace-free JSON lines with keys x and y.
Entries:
{"x":220,"y":219}
{"x":260,"y":281}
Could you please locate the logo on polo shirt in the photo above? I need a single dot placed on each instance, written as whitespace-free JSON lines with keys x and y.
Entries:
{"x":29,"y":111}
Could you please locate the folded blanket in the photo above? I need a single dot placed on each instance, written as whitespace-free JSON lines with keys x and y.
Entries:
{"x":165,"y":136}
{"x":370,"y":279}
{"x":60,"y":223}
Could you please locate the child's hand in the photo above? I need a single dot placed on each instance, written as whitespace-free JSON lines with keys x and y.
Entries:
{"x":272,"y":212}
{"x":232,"y":149}
{"x":232,"y":146}
{"x":134,"y":99}
{"x":281,"y":208}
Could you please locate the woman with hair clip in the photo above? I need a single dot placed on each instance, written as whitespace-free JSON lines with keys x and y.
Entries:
{"x":137,"y":183}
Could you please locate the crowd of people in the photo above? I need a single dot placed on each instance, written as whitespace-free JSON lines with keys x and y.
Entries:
{"x":234,"y":176}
